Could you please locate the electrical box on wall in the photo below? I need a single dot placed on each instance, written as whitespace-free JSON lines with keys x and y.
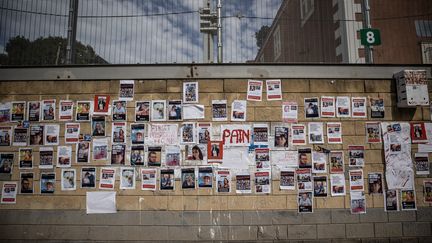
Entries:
{"x":412,"y":88}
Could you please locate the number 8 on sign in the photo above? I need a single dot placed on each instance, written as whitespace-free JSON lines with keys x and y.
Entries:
{"x":370,"y":37}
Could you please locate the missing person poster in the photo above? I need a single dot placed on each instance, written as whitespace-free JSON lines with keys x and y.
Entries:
{"x":356,"y":155}
{"x":88,"y":177}
{"x":83,"y":111}
{"x":320,"y":186}
{"x":311,"y":106}
{"x":358,"y":107}
{"x":204,"y":132}
{"x":238,"y":110}
{"x":260,"y":134}
{"x":223,"y":180}
{"x":319,"y":162}
{"x":98,"y":126}
{"x":107,"y":178}
{"x":190,"y":92}
{"x":205,"y":177}
{"x":20,"y":136}
{"x":137,"y":155}
{"x":100,"y":149}
{"x":48,"y":110}
{"x":154,"y":156}
{"x":356,"y":180}
{"x":188,"y":133}
{"x":101,"y":104}
{"x":175,"y":112}
{"x":47,"y":182}
{"x":418,"y":132}
{"x":66,"y":110}
{"x":304,"y":158}
{"x":427,"y":185}
{"x":137,"y":133}
{"x":290,"y":111}
{"x":18,"y":111}
{"x":148,"y":179}
{"x":5,"y":136}
{"x":46,"y":157}
{"x":127,"y":178}
{"x":119,"y":110}
{"x":9,"y":192}
{"x":336,"y":161}
{"x":36,"y":134}
{"x":375,"y":181}
{"x":52,"y":133}
{"x":343,"y":106}
{"x":421,"y":162}
{"x":142,"y":111}
{"x":25,"y":158}
{"x":304,"y":180}
{"x":68,"y":179}
{"x":305,"y":202}
{"x":167,"y":180}
{"x":281,"y":137}
{"x":172,"y":155}
{"x":72,"y":132}
{"x":219,"y":110}
{"x":298,"y":132}
{"x":287,"y":179}
{"x":328,"y":106}
{"x":33,"y":111}
{"x":5,"y":112}
{"x":391,"y":200}
{"x":274,"y":89}
{"x":118,"y":154}
{"x":408,"y":199}
{"x":64,"y":156}
{"x":6,"y":163}
{"x":243,"y":183}
{"x":126,"y":91}
{"x":118,"y":132}
{"x":188,"y":179}
{"x":334,"y":133}
{"x":158,"y":110}
{"x":27,"y":182}
{"x":263,"y":181}
{"x":373,"y":132}
{"x":255,"y":89}
{"x":358,"y":202}
{"x":316,"y":132}
{"x":337,"y":185}
{"x":377,"y":107}
{"x":215,"y":151}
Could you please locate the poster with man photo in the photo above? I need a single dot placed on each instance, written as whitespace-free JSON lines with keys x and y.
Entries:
{"x":64,"y":156}
{"x":5,"y":112}
{"x":358,"y":202}
{"x":343,"y":106}
{"x":119,"y":110}
{"x":320,"y":186}
{"x":358,"y":107}
{"x":101,"y":104}
{"x":188,"y":178}
{"x":205,"y":177}
{"x":9,"y":192}
{"x":47,"y":182}
{"x":418,"y":132}
{"x":187,"y":133}
{"x":154,"y":156}
{"x":137,"y":133}
{"x":118,"y":132}
{"x":190,"y":92}
{"x":100,"y":149}
{"x":98,"y":126}
{"x":36,"y":135}
{"x":373,"y":132}
{"x":88,"y":177}
{"x":223,"y":180}
{"x":421,"y":163}
{"x":6,"y":163}
{"x":255,"y":89}
{"x":148,"y":179}
{"x":336,"y":161}
{"x":18,"y":111}
{"x":66,"y":110}
{"x":316,"y":132}
{"x":68,"y":179}
{"x":243,"y":183}
{"x":215,"y":151}
{"x":33,"y":111}
{"x":287,"y":179}
{"x":391,"y":200}
{"x":20,"y":136}
{"x":83,"y":110}
{"x":305,"y":202}
{"x":118,"y":154}
{"x":175,"y":110}
{"x":281,"y":136}
{"x":311,"y":106}
{"x":274,"y":89}
{"x":408,"y":199}
{"x":290,"y":111}
{"x":304,"y":158}
{"x":260,"y":134}
{"x":167,"y":179}
{"x":375,"y":183}
{"x":48,"y":110}
{"x":142,"y":111}
{"x":51,"y":134}
{"x":137,"y":155}
{"x":25,"y":158}
{"x":238,"y":110}
{"x":377,"y":107}
{"x":5,"y":136}
{"x":27,"y":182}
{"x":356,"y":155}
{"x":172,"y":155}
{"x":46,"y":157}
{"x":158,"y":111}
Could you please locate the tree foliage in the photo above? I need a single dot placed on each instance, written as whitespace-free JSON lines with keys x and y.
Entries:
{"x":261,"y":35}
{"x":46,"y":51}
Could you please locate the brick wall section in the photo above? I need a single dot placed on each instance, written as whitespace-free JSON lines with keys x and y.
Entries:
{"x":203,"y":214}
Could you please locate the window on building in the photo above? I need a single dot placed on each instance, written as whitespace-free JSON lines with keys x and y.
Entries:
{"x":276,"y":43}
{"x":426,"y":49}
{"x":423,"y":28}
{"x":306,"y":10}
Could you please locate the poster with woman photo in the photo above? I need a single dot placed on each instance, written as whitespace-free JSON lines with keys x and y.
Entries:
{"x":187,"y":133}
{"x":36,"y":135}
{"x":119,"y":108}
{"x":47,"y":182}
{"x":101,"y":104}
{"x":274,"y":89}
{"x":5,"y":112}
{"x":98,"y":126}
{"x":158,"y":108}
{"x":343,"y":106}
{"x":375,"y":183}
{"x":427,"y":185}
{"x":215,"y":151}
{"x":408,"y":199}
{"x":83,"y":152}
{"x":127,"y":178}
{"x":18,"y":111}
{"x":5,"y":136}
{"x":137,"y":133}
{"x":172,"y":155}
{"x":68,"y":179}
{"x":66,"y":110}
{"x":48,"y":110}
{"x":219,"y":110}
{"x":188,"y":179}
{"x":223,"y":180}
{"x":51,"y":136}
{"x":33,"y":111}
{"x":64,"y":156}
{"x":88,"y":177}
{"x":204,"y":132}
{"x":27,"y":182}
{"x":205,"y":177}
{"x":281,"y":136}
{"x":197,"y":153}
{"x":337,"y":185}
{"x":137,"y":155}
{"x":148,"y":179}
{"x":25,"y":158}
{"x":118,"y":132}
{"x":305,"y":202}
{"x":175,"y":110}
{"x":83,"y":110}
{"x":311,"y":106}
{"x":238,"y":110}
{"x":336,"y":161}
{"x":190,"y":92}
{"x":142,"y":111}
{"x":118,"y":154}
{"x":46,"y":157}
{"x":167,"y":179}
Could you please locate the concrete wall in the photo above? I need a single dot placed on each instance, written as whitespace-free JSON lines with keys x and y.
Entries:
{"x":203,"y":214}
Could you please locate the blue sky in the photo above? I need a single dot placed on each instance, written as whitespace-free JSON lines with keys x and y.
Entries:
{"x":144,"y":31}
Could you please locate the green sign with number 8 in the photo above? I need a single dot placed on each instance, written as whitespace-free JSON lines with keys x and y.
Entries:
{"x":370,"y":37}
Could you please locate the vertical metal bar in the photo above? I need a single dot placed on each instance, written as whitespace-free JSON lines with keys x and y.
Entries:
{"x":71,"y":35}
{"x":219,"y":31}
{"x":367,"y":24}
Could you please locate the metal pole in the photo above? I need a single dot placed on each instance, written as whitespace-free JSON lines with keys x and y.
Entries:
{"x":71,"y":34}
{"x":367,"y":23}
{"x":219,"y":31}
{"x":208,"y":41}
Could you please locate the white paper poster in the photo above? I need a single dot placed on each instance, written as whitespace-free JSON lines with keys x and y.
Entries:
{"x":64,"y":156}
{"x":190,"y":92}
{"x":68,"y":179}
{"x":46,"y":157}
{"x":236,"y":134}
{"x":263,"y":181}
{"x":311,"y":106}
{"x":101,"y":202}
{"x":118,"y":132}
{"x":236,"y":158}
{"x":359,"y":109}
{"x":337,"y":184}
{"x":358,"y":202}
{"x":284,"y":158}
{"x":316,"y":133}
{"x":100,"y":148}
{"x":334,"y":133}
{"x":51,"y":136}
{"x":219,"y":110}
{"x":287,"y":179}
{"x":274,"y":89}
{"x":107,"y":178}
{"x":48,"y":110}
{"x":298,"y":134}
{"x":343,"y":106}
{"x":238,"y":110}
{"x":223,"y":180}
{"x":72,"y":132}
{"x":9,"y":192}
{"x":127,"y":178}
{"x":356,"y":180}
{"x":148,"y":179}
{"x":191,"y":111}
{"x":188,"y":133}
{"x":126,"y":90}
{"x":163,"y":134}
{"x":319,"y":162}
{"x":243,"y":183}
{"x":255,"y":88}
{"x":66,"y":110}
{"x":328,"y":106}
{"x":289,"y":112}
{"x":260,"y":134}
